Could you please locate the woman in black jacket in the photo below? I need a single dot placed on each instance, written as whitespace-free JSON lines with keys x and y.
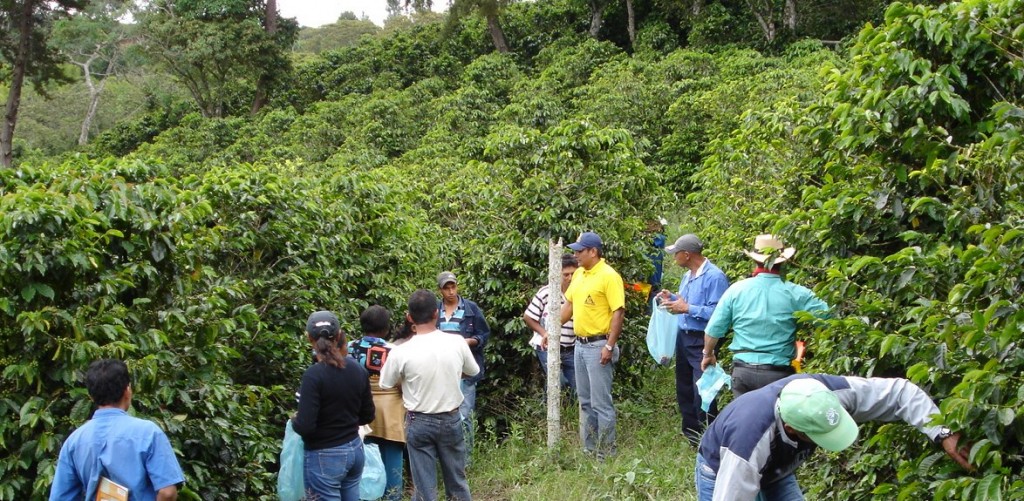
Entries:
{"x":334,"y":400}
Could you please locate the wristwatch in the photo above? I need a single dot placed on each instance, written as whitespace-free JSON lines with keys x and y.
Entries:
{"x":609,"y":347}
{"x":944,"y":433}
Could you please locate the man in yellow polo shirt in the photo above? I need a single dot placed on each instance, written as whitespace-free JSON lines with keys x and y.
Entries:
{"x":596,"y":303}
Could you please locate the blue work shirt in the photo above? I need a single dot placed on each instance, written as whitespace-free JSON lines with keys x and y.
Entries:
{"x":702,"y":291}
{"x":133,"y":452}
{"x":760,"y":311}
{"x":467,"y":321}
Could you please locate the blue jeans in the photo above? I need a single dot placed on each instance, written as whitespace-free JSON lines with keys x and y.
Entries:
{"x":785,"y":489}
{"x":568,"y":356}
{"x":433,"y":438}
{"x":468,"y":411}
{"x":688,"y":357}
{"x":333,"y":474}
{"x":393,"y":455}
{"x":594,"y":387}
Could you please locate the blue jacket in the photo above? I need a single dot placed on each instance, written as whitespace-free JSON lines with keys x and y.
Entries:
{"x":471,"y":325}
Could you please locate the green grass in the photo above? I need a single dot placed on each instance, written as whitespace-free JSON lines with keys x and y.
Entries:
{"x":653,"y":460}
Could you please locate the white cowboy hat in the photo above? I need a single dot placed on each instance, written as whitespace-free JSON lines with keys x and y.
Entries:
{"x":770,"y":242}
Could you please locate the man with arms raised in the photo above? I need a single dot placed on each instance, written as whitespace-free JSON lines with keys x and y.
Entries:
{"x":429,"y":368}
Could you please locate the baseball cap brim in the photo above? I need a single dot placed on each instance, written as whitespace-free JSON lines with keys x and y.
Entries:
{"x":576,"y":246}
{"x":840,"y":437}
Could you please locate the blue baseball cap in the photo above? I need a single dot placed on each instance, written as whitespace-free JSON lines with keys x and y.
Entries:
{"x":587,"y":240}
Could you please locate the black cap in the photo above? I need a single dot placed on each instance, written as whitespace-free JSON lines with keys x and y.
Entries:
{"x":322,"y":324}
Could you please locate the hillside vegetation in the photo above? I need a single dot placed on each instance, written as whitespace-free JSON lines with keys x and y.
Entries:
{"x":194,"y":246}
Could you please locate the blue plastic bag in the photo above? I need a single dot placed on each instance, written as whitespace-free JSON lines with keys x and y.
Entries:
{"x":709,"y":384}
{"x":374,"y":479}
{"x":661,"y":334}
{"x":290,"y":484}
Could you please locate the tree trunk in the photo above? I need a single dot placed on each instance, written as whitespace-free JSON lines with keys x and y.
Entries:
{"x":696,"y":7}
{"x":554,"y":325}
{"x":17,"y":83}
{"x":497,"y":35}
{"x":260,"y":100}
{"x":765,"y":18}
{"x":596,"y":11}
{"x":94,"y":97}
{"x":631,"y":22}
{"x":789,"y":15}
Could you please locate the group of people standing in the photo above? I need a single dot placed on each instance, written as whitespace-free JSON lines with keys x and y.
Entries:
{"x":778,"y":418}
{"x":416,"y":388}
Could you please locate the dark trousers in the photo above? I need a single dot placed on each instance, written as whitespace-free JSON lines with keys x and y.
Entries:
{"x":749,"y":377}
{"x":689,"y":345}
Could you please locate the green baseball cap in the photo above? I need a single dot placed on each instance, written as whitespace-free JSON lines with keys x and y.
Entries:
{"x":808,"y":406}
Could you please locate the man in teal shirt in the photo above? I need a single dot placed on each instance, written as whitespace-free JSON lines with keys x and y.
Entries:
{"x":760,"y":310}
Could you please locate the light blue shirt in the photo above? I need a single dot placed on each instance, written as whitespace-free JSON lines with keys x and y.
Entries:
{"x":133,"y":452}
{"x":760,"y":311}
{"x":702,"y":291}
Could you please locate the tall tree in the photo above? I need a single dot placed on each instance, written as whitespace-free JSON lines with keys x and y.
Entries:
{"x":490,"y":10}
{"x":596,"y":16}
{"x":220,"y":50}
{"x":265,"y":80}
{"x":24,"y":29}
{"x":93,"y":40}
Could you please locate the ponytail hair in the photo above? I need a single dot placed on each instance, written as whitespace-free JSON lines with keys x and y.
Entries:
{"x":327,"y":349}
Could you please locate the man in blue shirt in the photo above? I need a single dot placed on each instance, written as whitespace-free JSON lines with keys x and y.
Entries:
{"x":760,"y":310}
{"x":132,"y":452}
{"x":458,"y":315}
{"x":702,"y":286}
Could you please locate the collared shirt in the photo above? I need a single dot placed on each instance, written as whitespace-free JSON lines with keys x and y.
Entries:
{"x":760,"y":311}
{"x":538,"y":310}
{"x":468,"y":321}
{"x":130,"y":451}
{"x":702,"y":291}
{"x":595,"y":295}
{"x":748,"y":448}
{"x":429,"y":367}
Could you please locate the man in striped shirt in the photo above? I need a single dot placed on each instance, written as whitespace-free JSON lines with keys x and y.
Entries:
{"x":536,"y":317}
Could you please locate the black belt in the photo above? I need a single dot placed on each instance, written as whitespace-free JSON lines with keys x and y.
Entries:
{"x":763,"y":367}
{"x":591,"y":339}
{"x":692,"y":332}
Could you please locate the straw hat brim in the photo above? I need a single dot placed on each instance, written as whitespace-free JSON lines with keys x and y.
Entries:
{"x":786,"y":255}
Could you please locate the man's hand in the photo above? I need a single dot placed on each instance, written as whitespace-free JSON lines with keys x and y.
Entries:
{"x":678,"y":306}
{"x":606,"y":355}
{"x":472,"y":342}
{"x":960,"y":455}
{"x":708,"y":360}
{"x":544,"y":341}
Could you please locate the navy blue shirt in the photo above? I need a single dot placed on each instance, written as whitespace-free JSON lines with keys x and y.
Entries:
{"x":467,"y":321}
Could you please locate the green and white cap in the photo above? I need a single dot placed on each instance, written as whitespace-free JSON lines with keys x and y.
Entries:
{"x":808,"y":406}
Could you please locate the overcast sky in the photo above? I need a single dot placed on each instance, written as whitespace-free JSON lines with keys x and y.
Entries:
{"x":314,"y":13}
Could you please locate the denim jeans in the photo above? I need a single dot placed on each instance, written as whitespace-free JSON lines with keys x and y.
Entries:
{"x":333,"y":474}
{"x":468,"y":411}
{"x":433,"y":438}
{"x":594,"y":388}
{"x":786,"y":489}
{"x":568,"y":357}
{"x":688,"y":358}
{"x":393,"y":455}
